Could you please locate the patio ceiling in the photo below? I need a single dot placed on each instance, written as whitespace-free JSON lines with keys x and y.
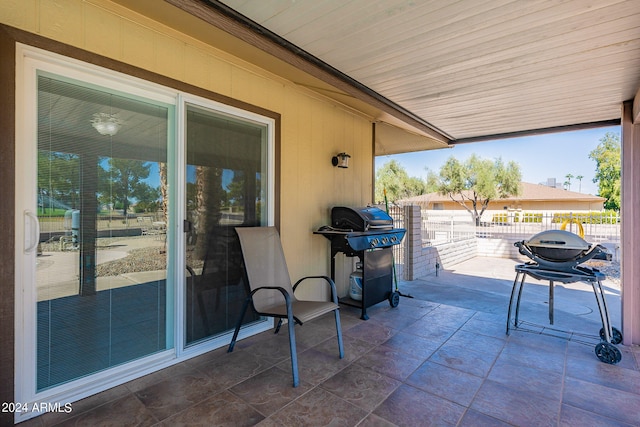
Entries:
{"x":458,"y":71}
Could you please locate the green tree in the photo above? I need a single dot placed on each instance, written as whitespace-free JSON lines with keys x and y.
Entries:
{"x":474,"y":183}
{"x":608,"y":168}
{"x":123,"y":181}
{"x":148,"y":198}
{"x":397,"y":182}
{"x":235,"y":193}
{"x":58,"y":180}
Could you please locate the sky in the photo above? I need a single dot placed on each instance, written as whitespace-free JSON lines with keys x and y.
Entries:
{"x":540,"y":157}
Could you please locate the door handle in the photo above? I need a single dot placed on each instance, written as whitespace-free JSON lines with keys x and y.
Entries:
{"x":31,"y":232}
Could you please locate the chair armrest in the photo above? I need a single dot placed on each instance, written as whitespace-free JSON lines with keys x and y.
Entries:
{"x":284,"y":293}
{"x":290,"y":318}
{"x":332,"y":285}
{"x":287,"y":300}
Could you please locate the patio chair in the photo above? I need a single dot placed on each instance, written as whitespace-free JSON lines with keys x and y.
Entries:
{"x":271,"y":293}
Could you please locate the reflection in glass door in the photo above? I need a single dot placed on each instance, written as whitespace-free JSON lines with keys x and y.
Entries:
{"x":226,"y":188}
{"x":101,"y":268}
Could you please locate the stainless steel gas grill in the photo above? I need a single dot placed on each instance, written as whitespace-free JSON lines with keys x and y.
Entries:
{"x":557,"y":256}
{"x":366,"y":233}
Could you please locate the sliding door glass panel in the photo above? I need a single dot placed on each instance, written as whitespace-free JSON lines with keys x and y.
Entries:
{"x":102,"y":205}
{"x":226,"y":188}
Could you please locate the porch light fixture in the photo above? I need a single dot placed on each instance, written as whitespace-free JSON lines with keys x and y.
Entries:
{"x":341,"y":160}
{"x":106,"y":124}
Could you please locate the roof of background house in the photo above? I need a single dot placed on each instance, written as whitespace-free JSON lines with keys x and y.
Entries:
{"x":530,"y":192}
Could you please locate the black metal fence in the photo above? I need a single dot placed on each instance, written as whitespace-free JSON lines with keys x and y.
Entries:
{"x":399,"y":221}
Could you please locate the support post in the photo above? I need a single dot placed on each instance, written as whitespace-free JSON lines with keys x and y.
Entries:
{"x":630,"y":226}
{"x":413,"y":240}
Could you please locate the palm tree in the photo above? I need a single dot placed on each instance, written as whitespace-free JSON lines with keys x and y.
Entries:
{"x":568,"y":176}
{"x":579,"y":178}
{"x":165,"y":195}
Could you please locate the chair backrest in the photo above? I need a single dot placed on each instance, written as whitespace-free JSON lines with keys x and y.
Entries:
{"x":265,"y":264}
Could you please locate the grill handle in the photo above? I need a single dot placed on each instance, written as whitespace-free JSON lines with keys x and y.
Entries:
{"x":553,"y":242}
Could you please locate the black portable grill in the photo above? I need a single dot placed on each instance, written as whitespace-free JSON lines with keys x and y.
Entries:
{"x":556,"y":256}
{"x":368,"y":233}
{"x":561,"y":250}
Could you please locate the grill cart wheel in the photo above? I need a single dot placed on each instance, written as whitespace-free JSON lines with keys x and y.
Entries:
{"x":616,"y":335}
{"x":608,"y":353}
{"x":394,"y":299}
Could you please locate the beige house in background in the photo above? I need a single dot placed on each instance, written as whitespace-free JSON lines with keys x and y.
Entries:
{"x":533,"y":198}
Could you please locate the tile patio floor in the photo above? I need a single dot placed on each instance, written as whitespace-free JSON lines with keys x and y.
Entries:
{"x":440,"y":358}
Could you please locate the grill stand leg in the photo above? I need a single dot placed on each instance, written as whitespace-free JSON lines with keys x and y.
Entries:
{"x":605,"y":350}
{"x":602,"y":308}
{"x":551,"y":302}
{"x":517,"y":286}
{"x":513,"y":291}
{"x":519,"y":298}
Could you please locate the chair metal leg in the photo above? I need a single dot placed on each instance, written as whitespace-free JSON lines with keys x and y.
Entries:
{"x":239,"y":324}
{"x":292,"y":344}
{"x":339,"y":330}
{"x":278,"y":326}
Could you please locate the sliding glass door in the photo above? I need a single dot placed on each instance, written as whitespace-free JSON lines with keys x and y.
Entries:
{"x":128,"y":196}
{"x":226,"y":188}
{"x":101,"y":276}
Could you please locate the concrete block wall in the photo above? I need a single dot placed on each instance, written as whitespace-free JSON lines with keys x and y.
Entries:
{"x":420,"y":261}
{"x":425,"y":261}
{"x":428,"y":259}
{"x":455,"y":252}
{"x":500,"y":247}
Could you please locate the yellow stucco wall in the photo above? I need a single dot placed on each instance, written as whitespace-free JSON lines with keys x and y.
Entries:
{"x":313,"y":129}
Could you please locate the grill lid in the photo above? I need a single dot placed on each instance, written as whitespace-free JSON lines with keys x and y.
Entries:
{"x":558,"y":239}
{"x":560,"y":250}
{"x":360,"y":219}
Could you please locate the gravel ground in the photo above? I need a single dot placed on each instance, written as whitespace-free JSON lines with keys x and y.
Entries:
{"x":151,"y":258}
{"x":143,"y":259}
{"x":610,"y":268}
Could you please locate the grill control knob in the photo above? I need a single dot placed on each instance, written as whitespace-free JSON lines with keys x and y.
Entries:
{"x":394,"y":238}
{"x":374,"y":242}
{"x":385,"y":241}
